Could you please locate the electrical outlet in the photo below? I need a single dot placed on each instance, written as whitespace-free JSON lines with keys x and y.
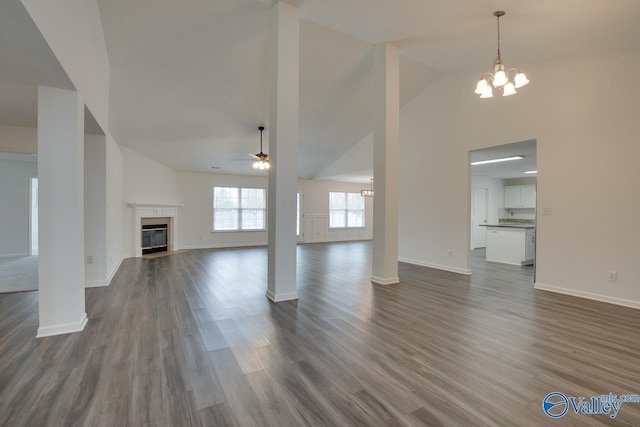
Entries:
{"x":89,"y":259}
{"x":613,"y":276}
{"x":450,"y":253}
{"x":547,"y":211}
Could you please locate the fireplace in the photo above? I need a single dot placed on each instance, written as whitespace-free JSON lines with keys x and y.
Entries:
{"x":154,"y":238}
{"x":154,"y":228}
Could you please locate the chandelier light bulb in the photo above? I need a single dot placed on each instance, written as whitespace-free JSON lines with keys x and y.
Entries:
{"x":487,"y":93}
{"x":521,"y":80}
{"x":509,"y":90}
{"x":255,"y":165}
{"x":500,"y":79}
{"x":481,"y":86}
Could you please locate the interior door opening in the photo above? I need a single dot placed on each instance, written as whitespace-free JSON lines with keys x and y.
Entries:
{"x":503,"y":205}
{"x":33,"y":217}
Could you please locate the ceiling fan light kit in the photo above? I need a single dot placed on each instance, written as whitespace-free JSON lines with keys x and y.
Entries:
{"x":505,"y":81}
{"x":261,"y":159}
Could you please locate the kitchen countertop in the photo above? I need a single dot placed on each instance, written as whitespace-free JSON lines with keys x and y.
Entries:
{"x":509,"y":225}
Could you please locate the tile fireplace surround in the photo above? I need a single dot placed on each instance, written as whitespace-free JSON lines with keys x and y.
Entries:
{"x":152,"y":210}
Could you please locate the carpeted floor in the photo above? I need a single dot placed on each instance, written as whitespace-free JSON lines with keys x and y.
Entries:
{"x":18,"y":274}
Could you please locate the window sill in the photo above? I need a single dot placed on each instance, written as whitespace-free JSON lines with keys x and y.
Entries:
{"x":346,"y":228}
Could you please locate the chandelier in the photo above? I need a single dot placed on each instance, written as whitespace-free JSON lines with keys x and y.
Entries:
{"x":367,"y":192}
{"x":261,"y":159}
{"x":505,"y":81}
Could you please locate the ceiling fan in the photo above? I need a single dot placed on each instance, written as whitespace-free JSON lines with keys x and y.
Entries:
{"x":260,"y":160}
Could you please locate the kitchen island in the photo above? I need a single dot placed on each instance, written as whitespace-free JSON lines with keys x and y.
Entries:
{"x":511,"y":243}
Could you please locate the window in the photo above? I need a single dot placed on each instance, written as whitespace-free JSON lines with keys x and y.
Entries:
{"x":346,"y":210}
{"x":239,"y":209}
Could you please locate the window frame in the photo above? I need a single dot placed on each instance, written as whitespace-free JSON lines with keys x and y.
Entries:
{"x":347,"y":210}
{"x":239,"y":210}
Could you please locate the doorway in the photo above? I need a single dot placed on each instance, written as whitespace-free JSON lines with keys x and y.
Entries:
{"x":33,"y":217}
{"x":503,"y":182}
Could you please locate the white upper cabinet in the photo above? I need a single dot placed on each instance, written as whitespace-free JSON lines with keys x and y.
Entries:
{"x":520,"y":196}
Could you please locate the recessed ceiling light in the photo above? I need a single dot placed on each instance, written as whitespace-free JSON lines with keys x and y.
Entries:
{"x":503,"y":159}
{"x":530,"y":171}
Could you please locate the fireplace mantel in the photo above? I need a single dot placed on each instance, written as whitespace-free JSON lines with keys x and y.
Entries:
{"x":152,"y":210}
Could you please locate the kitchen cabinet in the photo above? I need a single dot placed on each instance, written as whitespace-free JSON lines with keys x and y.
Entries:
{"x":519,"y":196}
{"x":511,"y":245}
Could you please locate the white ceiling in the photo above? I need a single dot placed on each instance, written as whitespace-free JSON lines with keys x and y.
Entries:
{"x":189,"y":81}
{"x":510,"y":169}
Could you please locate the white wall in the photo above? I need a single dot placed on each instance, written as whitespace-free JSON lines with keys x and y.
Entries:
{"x":587,"y":138}
{"x":195,"y":218}
{"x":520,"y":181}
{"x":18,"y":139}
{"x":356,"y":160}
{"x":115,"y":206}
{"x":315,"y":205}
{"x":95,"y":203}
{"x":15,"y":184}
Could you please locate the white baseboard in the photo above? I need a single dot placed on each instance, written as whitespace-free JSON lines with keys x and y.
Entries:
{"x":222,"y":246}
{"x":588,"y":295}
{"x":102,"y":283}
{"x":22,"y":255}
{"x":115,"y":269}
{"x":335,"y":240}
{"x":385,"y":281}
{"x":436,"y":266}
{"x":66,"y":328}
{"x":282,"y":297}
{"x":96,"y":284}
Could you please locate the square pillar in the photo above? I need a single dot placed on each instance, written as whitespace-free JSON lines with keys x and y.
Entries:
{"x":61,"y":211}
{"x":386,"y":136}
{"x":283,"y":153}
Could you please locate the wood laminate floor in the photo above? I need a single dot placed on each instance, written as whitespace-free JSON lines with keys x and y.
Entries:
{"x":191,"y":339}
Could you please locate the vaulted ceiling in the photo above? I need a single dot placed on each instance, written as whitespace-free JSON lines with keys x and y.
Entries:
{"x":190,"y":84}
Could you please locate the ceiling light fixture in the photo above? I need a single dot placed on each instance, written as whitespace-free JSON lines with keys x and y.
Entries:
{"x":367,"y":192}
{"x":506,"y":81}
{"x":262,"y":159}
{"x":530,"y":172}
{"x":503,"y":159}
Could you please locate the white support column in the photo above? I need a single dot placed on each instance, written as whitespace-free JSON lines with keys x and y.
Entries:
{"x":386,"y":135}
{"x":283,"y":152}
{"x":61,"y":211}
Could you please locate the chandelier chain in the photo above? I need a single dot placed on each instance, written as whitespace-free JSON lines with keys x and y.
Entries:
{"x":498,"y":18}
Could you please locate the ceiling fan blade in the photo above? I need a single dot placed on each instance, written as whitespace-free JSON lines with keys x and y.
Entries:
{"x":240,"y":160}
{"x":252,"y":155}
